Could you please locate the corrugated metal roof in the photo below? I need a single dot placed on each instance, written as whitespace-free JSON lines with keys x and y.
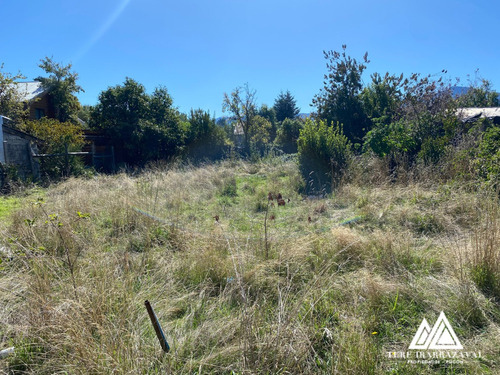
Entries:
{"x":472,"y":113}
{"x":29,"y":90}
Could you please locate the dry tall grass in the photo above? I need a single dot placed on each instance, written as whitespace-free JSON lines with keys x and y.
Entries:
{"x":334,"y":295}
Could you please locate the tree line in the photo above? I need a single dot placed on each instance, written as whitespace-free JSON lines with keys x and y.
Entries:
{"x":405,"y":121}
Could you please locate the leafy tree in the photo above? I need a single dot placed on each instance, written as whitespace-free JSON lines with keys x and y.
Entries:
{"x":259,"y":134}
{"x":425,"y":97}
{"x":285,"y":106}
{"x":206,"y":139}
{"x":270,"y":115}
{"x":488,"y":157}
{"x":172,"y":130}
{"x":382,"y":98}
{"x":412,"y":118}
{"x":481,"y":95}
{"x":85,"y":113}
{"x":58,"y":138}
{"x":242,"y":104}
{"x":339,"y":100}
{"x":62,"y":85}
{"x":118,"y":113}
{"x":11,"y":103}
{"x":288,"y":134}
{"x":398,"y":137}
{"x":324,"y":153}
{"x":143,"y":127}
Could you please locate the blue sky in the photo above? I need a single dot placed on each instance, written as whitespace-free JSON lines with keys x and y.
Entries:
{"x":200,"y":49}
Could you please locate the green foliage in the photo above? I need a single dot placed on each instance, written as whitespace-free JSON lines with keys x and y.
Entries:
{"x":285,"y":106}
{"x":288,"y":134}
{"x":62,"y":85}
{"x":144,"y":127}
{"x":397,"y":137}
{"x":414,"y":118}
{"x":205,"y":139}
{"x":84,"y":114}
{"x":488,"y":158}
{"x":11,"y":104}
{"x":479,"y":96}
{"x":324,"y":152}
{"x":241,"y":104}
{"x":256,"y":127}
{"x":259,"y":134}
{"x":339,"y":100}
{"x":485,"y":276}
{"x":269,"y":114}
{"x":58,"y":137}
{"x":433,"y":149}
{"x":382,"y":99}
{"x":229,"y":187}
{"x":8,"y":205}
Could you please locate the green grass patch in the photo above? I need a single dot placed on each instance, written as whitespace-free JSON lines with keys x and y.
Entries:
{"x":8,"y":205}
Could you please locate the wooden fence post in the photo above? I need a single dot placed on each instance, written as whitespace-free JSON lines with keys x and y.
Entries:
{"x":66,"y":159}
{"x":156,"y":325}
{"x":93,"y":154}
{"x":113,"y":166}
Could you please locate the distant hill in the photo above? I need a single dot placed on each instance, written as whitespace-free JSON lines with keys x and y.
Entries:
{"x":457,"y":91}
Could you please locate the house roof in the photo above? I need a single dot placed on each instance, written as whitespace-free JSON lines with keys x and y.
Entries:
{"x":29,"y":90}
{"x":467,"y":114}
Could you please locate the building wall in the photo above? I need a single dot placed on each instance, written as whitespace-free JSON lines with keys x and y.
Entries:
{"x":2,"y":153}
{"x":43,"y":103}
{"x":17,"y":152}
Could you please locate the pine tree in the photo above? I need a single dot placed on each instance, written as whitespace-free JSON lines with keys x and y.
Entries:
{"x":285,"y":106}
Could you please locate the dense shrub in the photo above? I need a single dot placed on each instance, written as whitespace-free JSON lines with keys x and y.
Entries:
{"x":288,"y":134}
{"x":397,"y":137}
{"x":488,"y":160}
{"x":58,"y":138}
{"x":324,"y":152}
{"x":206,"y":140}
{"x":143,"y":127}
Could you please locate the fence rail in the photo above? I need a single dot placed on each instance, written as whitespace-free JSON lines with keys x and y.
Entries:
{"x":67,"y":155}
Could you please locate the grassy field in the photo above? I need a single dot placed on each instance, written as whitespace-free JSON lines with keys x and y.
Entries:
{"x":8,"y":204}
{"x":322,"y":285}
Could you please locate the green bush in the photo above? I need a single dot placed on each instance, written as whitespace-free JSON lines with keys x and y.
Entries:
{"x":324,"y":153}
{"x":488,"y":158}
{"x":397,"y":137}
{"x":288,"y":133}
{"x":58,"y":138}
{"x":229,"y":187}
{"x":206,"y":140}
{"x":433,"y":149}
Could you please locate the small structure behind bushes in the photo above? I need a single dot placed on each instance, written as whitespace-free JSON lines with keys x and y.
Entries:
{"x":16,"y":150}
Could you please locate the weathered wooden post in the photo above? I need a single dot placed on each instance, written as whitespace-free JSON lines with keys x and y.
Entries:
{"x":66,"y":159}
{"x":156,"y":325}
{"x":113,"y":166}
{"x":93,"y":154}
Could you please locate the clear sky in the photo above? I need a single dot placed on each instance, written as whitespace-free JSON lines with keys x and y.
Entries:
{"x":200,"y":49}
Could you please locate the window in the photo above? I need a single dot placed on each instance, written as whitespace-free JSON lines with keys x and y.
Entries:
{"x":39,"y":113}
